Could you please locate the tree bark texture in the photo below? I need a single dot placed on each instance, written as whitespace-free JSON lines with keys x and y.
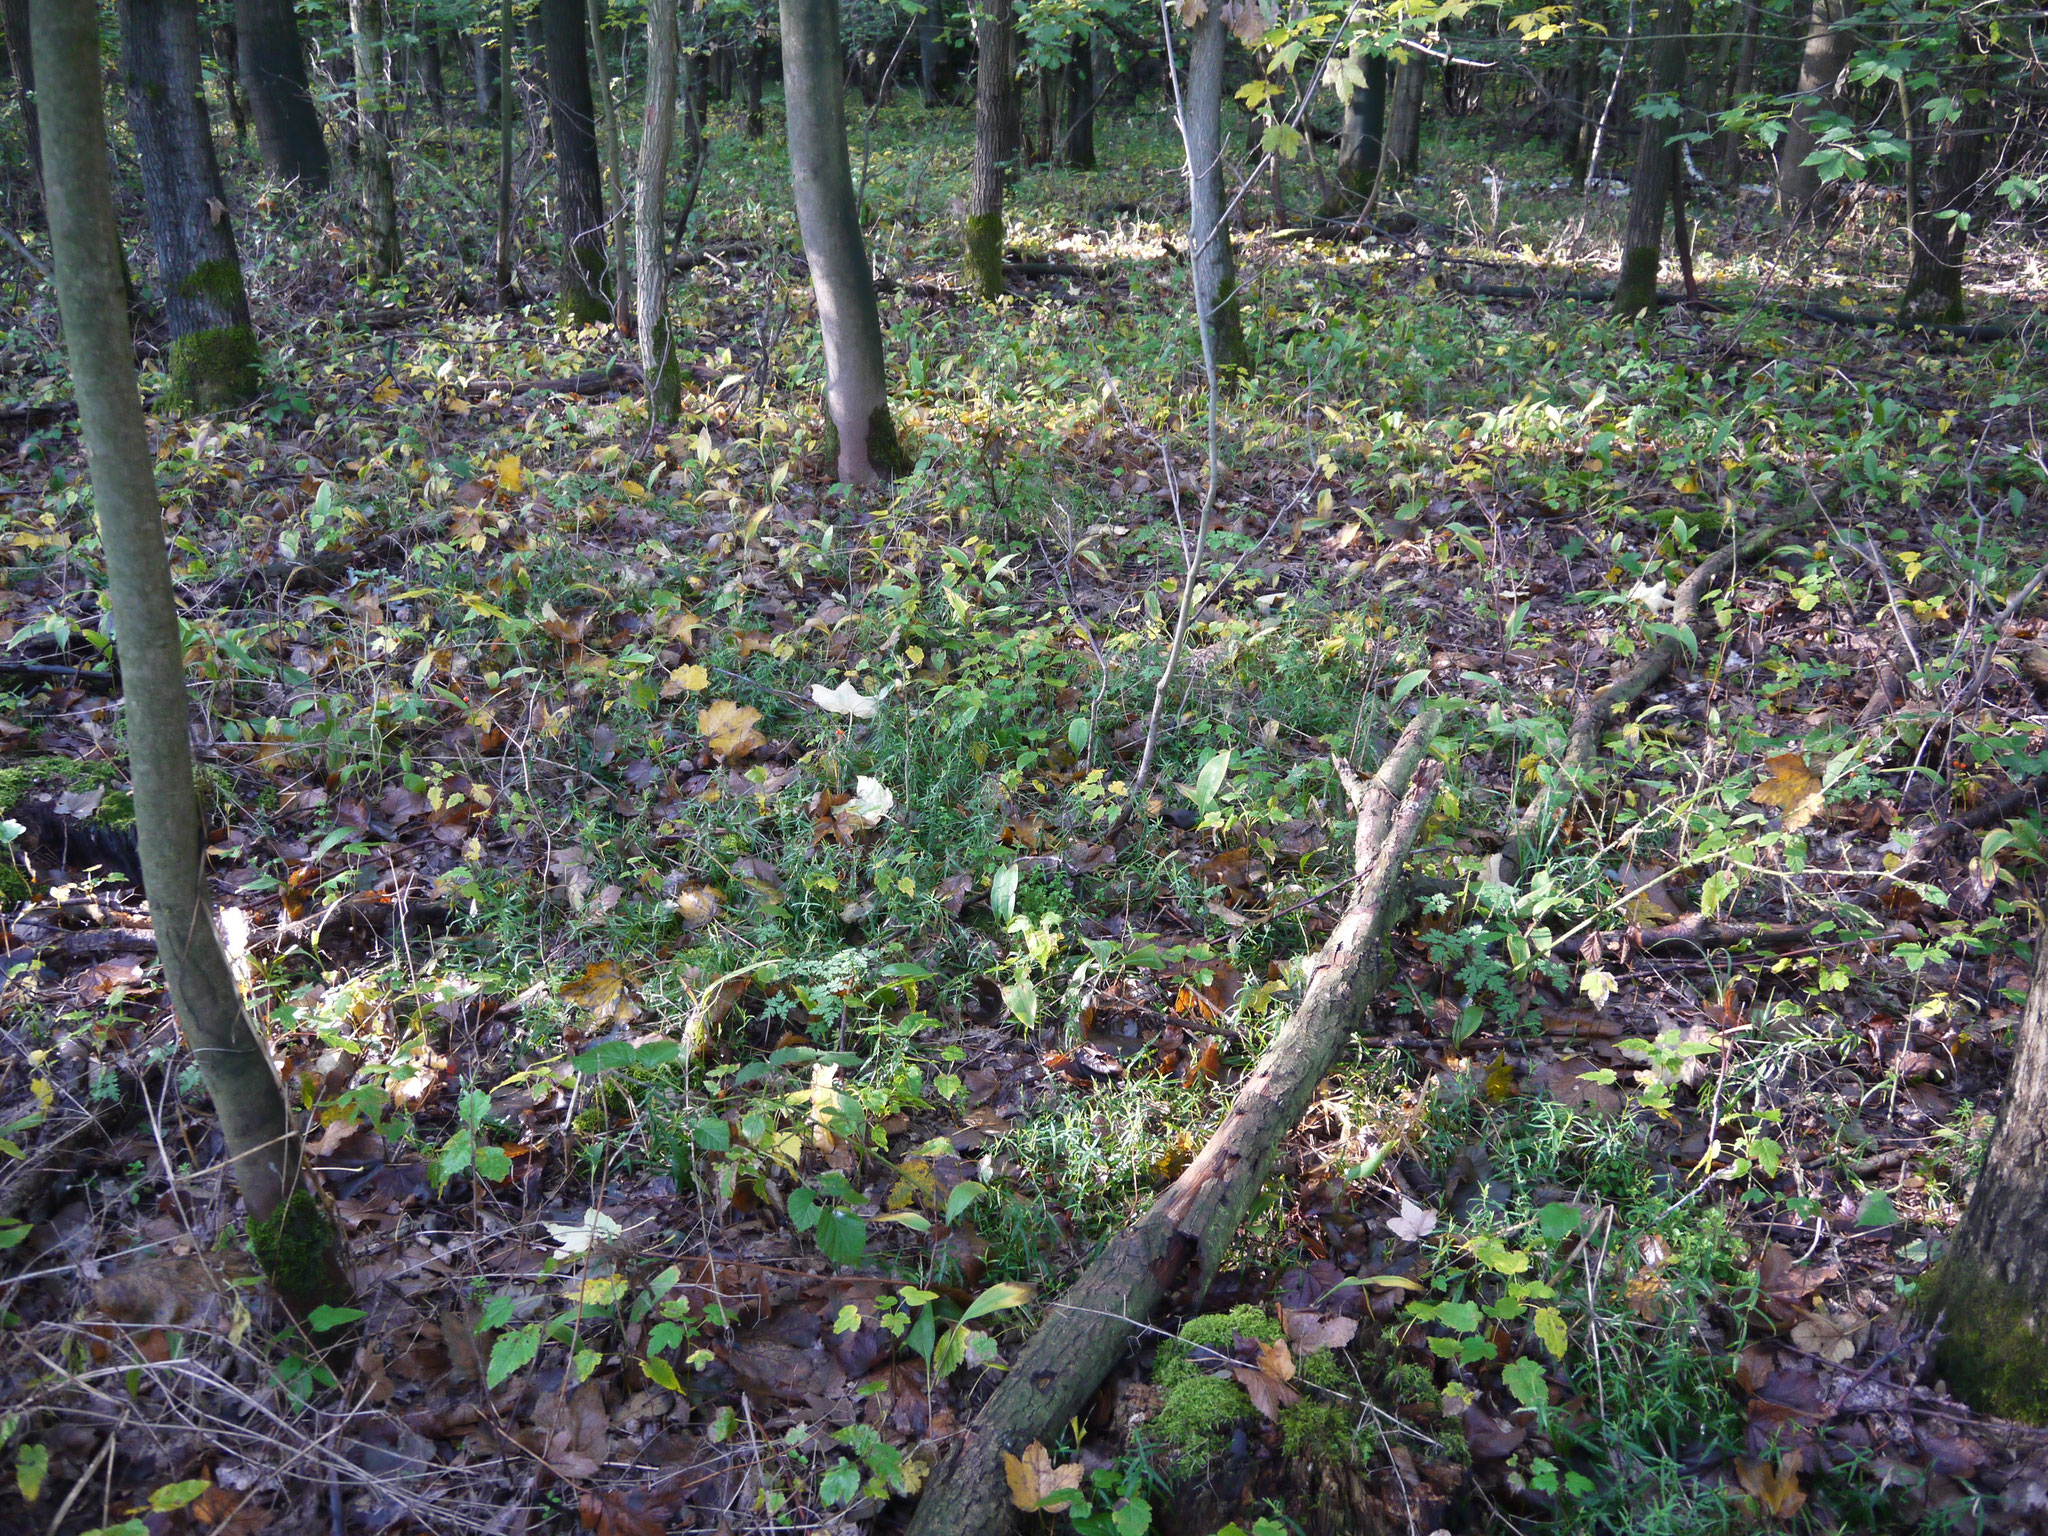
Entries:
{"x":1179,"y":1243}
{"x":14,"y":18}
{"x":1827,"y":53}
{"x":934,"y":57}
{"x":292,"y":1233}
{"x":487,"y":74}
{"x":373,"y":128}
{"x":659,"y":365}
{"x":1990,"y":1291}
{"x":856,"y":388}
{"x":1649,"y":192}
{"x":213,"y":345}
{"x":227,"y":53}
{"x":288,"y":132}
{"x":615,"y":164}
{"x":1364,"y":127}
{"x":998,"y":125}
{"x":502,"y":252}
{"x":1077,"y":148}
{"x":1213,"y":260}
{"x":1940,"y":227}
{"x":1401,"y":149}
{"x":1740,"y":84}
{"x":757,"y":67}
{"x":579,"y":180}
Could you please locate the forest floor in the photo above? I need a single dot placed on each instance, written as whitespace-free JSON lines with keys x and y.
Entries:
{"x":540,"y":747}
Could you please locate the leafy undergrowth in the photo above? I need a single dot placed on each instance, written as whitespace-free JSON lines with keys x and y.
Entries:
{"x":678,"y":893}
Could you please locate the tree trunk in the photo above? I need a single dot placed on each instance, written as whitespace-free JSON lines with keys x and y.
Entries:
{"x":934,"y":58}
{"x":502,"y":251}
{"x":291,"y":1233}
{"x":227,"y":52}
{"x":1180,"y":1241}
{"x":14,"y":18}
{"x":1827,"y":53}
{"x":1941,"y":221}
{"x":1642,"y":240}
{"x":659,"y":365}
{"x":862,"y":435}
{"x":431,"y":78}
{"x":380,"y":194}
{"x":579,"y":180}
{"x":997,"y":127}
{"x":213,"y":345}
{"x":1401,"y":152}
{"x":288,"y":132}
{"x":1365,"y":120}
{"x":1990,"y":1291}
{"x":487,"y":74}
{"x":614,"y":161}
{"x":757,"y":67}
{"x":1739,"y":86}
{"x":1078,"y":148}
{"x":1214,"y":262}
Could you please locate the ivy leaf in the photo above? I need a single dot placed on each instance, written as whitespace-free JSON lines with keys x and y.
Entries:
{"x":1524,"y":1377}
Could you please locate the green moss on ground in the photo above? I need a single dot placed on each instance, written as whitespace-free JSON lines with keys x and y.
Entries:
{"x":1198,"y":1410}
{"x":1994,"y":1353}
{"x":1320,"y":1426}
{"x":68,"y":773}
{"x":216,"y":369}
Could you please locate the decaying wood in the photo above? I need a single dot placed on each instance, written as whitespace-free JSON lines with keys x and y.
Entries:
{"x":1593,"y":716}
{"x":1178,"y":1243}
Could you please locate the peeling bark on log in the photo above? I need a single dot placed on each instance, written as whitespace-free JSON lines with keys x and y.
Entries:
{"x":1178,"y":1243}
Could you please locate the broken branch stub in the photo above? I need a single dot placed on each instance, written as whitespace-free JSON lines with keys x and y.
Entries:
{"x":1177,"y":1244}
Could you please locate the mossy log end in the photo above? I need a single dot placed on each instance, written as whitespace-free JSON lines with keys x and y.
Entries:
{"x":1177,"y":1245}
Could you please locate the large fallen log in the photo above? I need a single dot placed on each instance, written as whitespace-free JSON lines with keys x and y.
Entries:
{"x":1178,"y":1243}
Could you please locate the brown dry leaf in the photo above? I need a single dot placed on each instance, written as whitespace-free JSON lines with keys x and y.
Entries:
{"x":1792,"y":787}
{"x":1206,"y":1067}
{"x":690,"y":678}
{"x":1033,"y":1478}
{"x":96,"y":982}
{"x":602,"y":989}
{"x":227,"y":1512}
{"x":1832,"y":1336}
{"x":729,"y":731}
{"x":1777,"y":1490}
{"x":1313,"y":1331}
{"x":613,"y":1514}
{"x":953,"y":891}
{"x":1267,"y":1382}
{"x":696,"y":905}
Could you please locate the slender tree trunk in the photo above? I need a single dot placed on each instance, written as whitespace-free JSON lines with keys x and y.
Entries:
{"x":659,"y":365}
{"x":614,"y":162}
{"x":225,"y":53}
{"x":1940,"y":222}
{"x":502,"y":253}
{"x":1401,"y":151}
{"x":1611,"y":105}
{"x":1364,"y":127}
{"x":1642,"y":240}
{"x":934,"y":58}
{"x":579,"y":180}
{"x":997,"y":127}
{"x":213,"y":345}
{"x":1828,"y":48}
{"x":380,"y":193}
{"x":288,"y":132}
{"x":1579,"y":134}
{"x":1739,"y":86}
{"x":1990,"y":1291}
{"x":14,"y":17}
{"x":757,"y":67}
{"x":291,"y":1233}
{"x":486,"y":73}
{"x":862,"y":434}
{"x":431,"y":77}
{"x":1078,"y":148}
{"x":1214,"y":262}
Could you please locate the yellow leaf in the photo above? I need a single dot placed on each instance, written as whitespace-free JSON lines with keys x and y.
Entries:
{"x":510,"y":475}
{"x":686,"y":679}
{"x":1033,"y":1479}
{"x":729,"y":729}
{"x":1792,"y":787}
{"x":661,"y":1373}
{"x":602,"y":989}
{"x":386,"y":391}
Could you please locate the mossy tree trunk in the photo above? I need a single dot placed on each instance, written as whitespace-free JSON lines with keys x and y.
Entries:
{"x":1649,"y":192}
{"x":1826,"y":55}
{"x":1210,"y":254}
{"x":659,"y":365}
{"x":579,"y":181}
{"x":998,"y":125}
{"x":213,"y":345}
{"x":1077,"y":148}
{"x":288,"y":132}
{"x":1362,"y":131}
{"x":1990,"y":1291}
{"x":291,"y":1232}
{"x":1941,"y":221}
{"x":856,"y":384}
{"x":1401,"y":149}
{"x":373,"y":120}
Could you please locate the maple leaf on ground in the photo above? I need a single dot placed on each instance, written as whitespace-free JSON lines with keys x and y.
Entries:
{"x":1776,"y":1489}
{"x":1034,"y":1479}
{"x":602,"y":989}
{"x":691,"y":677}
{"x":728,"y":729}
{"x":1414,"y":1223}
{"x":1313,"y":1331}
{"x":1267,"y":1382}
{"x":1833,"y":1336}
{"x":1792,"y":787}
{"x":846,"y":699}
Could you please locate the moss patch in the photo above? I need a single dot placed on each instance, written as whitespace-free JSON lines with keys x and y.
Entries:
{"x":1636,"y":289}
{"x":1198,"y":1410}
{"x":985,"y":254}
{"x":67,"y":773}
{"x":1320,"y":1426}
{"x":215,"y":369}
{"x":295,"y":1246}
{"x":1995,"y":1352}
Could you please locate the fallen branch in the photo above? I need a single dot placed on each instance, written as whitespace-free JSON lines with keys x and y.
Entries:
{"x":1928,"y":839}
{"x":1179,"y":1242}
{"x":1697,"y":931}
{"x":1592,"y":718}
{"x":1962,"y":330}
{"x":91,"y":679}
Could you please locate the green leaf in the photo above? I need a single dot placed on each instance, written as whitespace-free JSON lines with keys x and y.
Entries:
{"x":1021,"y":998}
{"x":1002,"y":893}
{"x":31,"y":1465}
{"x":1524,"y":1378}
{"x":323,"y":1319}
{"x":1549,"y":1324}
{"x":962,"y":1195}
{"x":607,"y":1056}
{"x":1877,"y":1210}
{"x":495,"y":1315}
{"x":997,"y":1298}
{"x":1209,"y":778}
{"x":1409,"y":684}
{"x":661,"y":1373}
{"x":493,"y":1163}
{"x":842,"y":1238}
{"x":1078,"y":735}
{"x":1133,"y":1517}
{"x":711,"y":1134}
{"x":841,"y":1485}
{"x":177,"y":1495}
{"x":512,"y":1351}
{"x":1558,"y":1221}
{"x":804,"y":1209}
